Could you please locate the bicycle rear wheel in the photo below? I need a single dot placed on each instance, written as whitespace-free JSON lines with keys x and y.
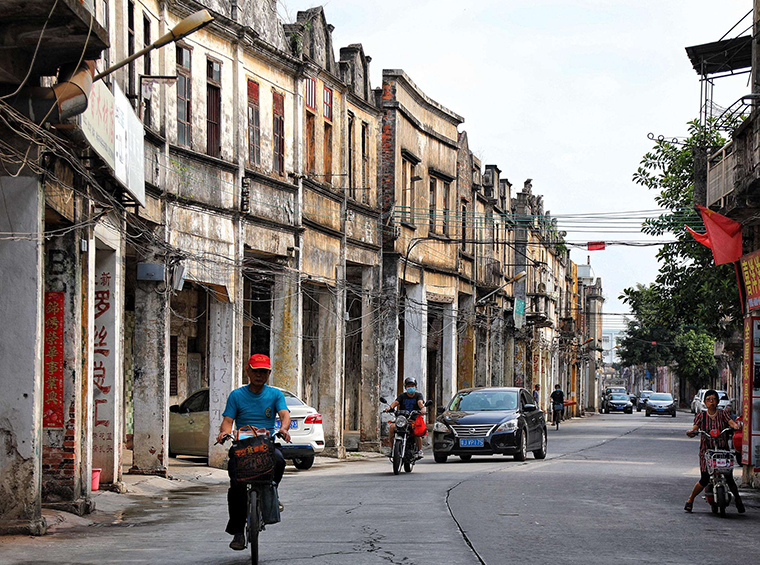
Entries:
{"x":254,"y":525}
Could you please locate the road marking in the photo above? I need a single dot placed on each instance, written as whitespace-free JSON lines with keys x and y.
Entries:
{"x":563,"y":460}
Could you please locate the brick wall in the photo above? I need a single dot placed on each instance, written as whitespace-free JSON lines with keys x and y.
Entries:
{"x":59,"y":465}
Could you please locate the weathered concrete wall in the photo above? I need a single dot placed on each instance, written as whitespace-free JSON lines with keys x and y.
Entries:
{"x":61,"y":454}
{"x":370,"y":384}
{"x":21,"y":322}
{"x":286,"y":333}
{"x":415,"y":335}
{"x":221,"y":372}
{"x":388,"y":334}
{"x":322,"y":255}
{"x":449,"y":353}
{"x":330,"y":368}
{"x":497,"y":349}
{"x":482,"y":353}
{"x":151,"y":380}
{"x":466,"y":342}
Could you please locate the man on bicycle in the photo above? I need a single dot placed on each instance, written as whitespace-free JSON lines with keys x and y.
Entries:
{"x":558,"y":402}
{"x":257,"y":405}
{"x":408,"y":400}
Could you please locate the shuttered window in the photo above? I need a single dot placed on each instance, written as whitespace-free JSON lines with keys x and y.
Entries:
{"x":184,"y":116}
{"x":311,"y":93}
{"x":254,"y":126}
{"x":213,"y":108}
{"x":278,"y":107}
{"x":327,"y":98}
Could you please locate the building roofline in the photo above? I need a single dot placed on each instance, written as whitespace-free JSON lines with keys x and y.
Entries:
{"x":399,"y":74}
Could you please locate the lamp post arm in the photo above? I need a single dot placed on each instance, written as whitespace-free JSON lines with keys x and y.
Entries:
{"x":126,"y":61}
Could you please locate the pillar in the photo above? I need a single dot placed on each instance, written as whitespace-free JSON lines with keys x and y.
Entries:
{"x":466,"y":342}
{"x":221,"y":373}
{"x":482,"y":361}
{"x":107,"y":356}
{"x":62,"y":455}
{"x":449,"y":353}
{"x":286,"y":333}
{"x":509,"y":357}
{"x":415,"y":335}
{"x":496,"y":346}
{"x":330,"y":368}
{"x":21,"y":357}
{"x":388,"y":336}
{"x":369,"y":393}
{"x":151,"y":380}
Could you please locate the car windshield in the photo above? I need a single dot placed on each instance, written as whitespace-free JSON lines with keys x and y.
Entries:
{"x":482,"y":400}
{"x":646,"y":394}
{"x":617,"y":396}
{"x":722,"y":395}
{"x":291,"y":399}
{"x":616,"y":389}
{"x":661,"y":396}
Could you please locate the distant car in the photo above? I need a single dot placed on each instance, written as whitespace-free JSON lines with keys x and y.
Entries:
{"x":698,"y":404}
{"x":489,"y":421}
{"x":189,"y":429}
{"x":661,"y":403}
{"x":617,"y":402}
{"x":696,"y":400}
{"x":641,"y":400}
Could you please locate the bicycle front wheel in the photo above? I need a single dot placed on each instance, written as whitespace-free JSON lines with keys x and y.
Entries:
{"x":254,"y":525}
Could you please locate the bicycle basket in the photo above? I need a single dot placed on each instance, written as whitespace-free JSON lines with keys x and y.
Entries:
{"x":252,"y":459}
{"x":719,"y":460}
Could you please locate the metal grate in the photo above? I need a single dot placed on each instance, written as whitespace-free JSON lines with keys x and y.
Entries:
{"x":476,"y":430}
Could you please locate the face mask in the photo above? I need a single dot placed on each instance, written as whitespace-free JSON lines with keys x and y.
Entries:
{"x":411,"y":390}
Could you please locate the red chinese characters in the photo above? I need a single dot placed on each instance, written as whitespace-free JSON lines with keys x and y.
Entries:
{"x":52,"y":408}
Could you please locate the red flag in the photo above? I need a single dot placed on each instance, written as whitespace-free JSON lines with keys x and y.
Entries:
{"x":596,"y":245}
{"x":723,"y":235}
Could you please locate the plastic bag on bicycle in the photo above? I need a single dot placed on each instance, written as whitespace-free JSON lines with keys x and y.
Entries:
{"x":270,"y":504}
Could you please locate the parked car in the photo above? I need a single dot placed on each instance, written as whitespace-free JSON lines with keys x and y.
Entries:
{"x":617,"y":402}
{"x":698,"y":404}
{"x":661,"y":403}
{"x":696,"y":400}
{"x":641,"y":399}
{"x":189,"y":429}
{"x":488,"y":421}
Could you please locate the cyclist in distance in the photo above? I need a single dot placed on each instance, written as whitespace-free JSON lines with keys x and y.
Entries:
{"x":558,"y":402}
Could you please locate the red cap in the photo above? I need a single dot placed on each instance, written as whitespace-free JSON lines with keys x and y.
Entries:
{"x":259,"y":361}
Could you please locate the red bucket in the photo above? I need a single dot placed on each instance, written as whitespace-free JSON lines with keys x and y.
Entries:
{"x":96,"y":478}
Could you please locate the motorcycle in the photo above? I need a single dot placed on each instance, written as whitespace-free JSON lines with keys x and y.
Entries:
{"x":720,"y":464}
{"x":404,"y":448}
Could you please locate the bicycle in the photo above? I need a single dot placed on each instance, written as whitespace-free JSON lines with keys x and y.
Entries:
{"x":255,"y":521}
{"x":557,"y":415}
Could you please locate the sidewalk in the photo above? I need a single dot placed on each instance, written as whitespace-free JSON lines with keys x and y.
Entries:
{"x":184,"y":473}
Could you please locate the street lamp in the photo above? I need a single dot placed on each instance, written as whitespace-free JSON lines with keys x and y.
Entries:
{"x":516,"y":278}
{"x":190,"y":24}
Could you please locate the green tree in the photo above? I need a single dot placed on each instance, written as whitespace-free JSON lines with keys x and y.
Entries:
{"x":696,"y":361}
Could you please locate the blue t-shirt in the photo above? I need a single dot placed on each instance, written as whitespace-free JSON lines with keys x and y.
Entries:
{"x":259,"y":410}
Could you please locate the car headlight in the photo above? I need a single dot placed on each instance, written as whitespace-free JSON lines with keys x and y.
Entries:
{"x":401,"y":422}
{"x":628,"y":404}
{"x":508,"y":426}
{"x":441,"y":427}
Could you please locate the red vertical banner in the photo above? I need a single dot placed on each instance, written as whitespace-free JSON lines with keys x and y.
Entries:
{"x":747,"y":366}
{"x":52,"y":407}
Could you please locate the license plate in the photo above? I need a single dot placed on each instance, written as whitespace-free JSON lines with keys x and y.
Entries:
{"x":661,"y":409}
{"x":722,"y":463}
{"x":293,"y":424}
{"x":474,"y":442}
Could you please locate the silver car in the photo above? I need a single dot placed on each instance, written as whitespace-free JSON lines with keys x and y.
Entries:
{"x":698,"y":405}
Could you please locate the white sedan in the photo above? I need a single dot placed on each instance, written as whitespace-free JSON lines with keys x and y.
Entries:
{"x":189,"y":429}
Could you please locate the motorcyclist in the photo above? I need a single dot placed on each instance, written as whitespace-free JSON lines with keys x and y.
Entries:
{"x":408,"y":400}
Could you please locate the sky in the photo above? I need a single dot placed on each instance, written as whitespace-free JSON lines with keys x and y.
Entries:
{"x":560,"y":91}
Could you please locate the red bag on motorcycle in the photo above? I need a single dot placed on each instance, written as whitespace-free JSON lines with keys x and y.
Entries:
{"x":420,"y":427}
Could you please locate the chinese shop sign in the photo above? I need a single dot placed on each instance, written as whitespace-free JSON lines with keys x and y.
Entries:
{"x":52,"y":408}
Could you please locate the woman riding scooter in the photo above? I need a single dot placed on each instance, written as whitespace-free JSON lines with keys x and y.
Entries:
{"x":408,"y":400}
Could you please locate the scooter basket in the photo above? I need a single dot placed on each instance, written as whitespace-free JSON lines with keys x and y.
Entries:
{"x":719,"y":461}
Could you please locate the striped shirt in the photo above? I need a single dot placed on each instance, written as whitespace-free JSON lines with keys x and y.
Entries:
{"x":705,"y":422}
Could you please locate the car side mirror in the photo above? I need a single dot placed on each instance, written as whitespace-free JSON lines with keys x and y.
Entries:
{"x":174,"y":408}
{"x":382,"y":399}
{"x":441,"y":410}
{"x":529,"y":407}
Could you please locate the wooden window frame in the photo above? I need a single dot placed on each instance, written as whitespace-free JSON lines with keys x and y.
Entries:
{"x":213,"y":122}
{"x":254,"y":124}
{"x":432,"y":203}
{"x":445,"y":209}
{"x":131,"y":45}
{"x":147,"y":69}
{"x":311,"y":143}
{"x":186,"y":73}
{"x":327,"y":103}
{"x":278,"y":133}
{"x":365,"y":163}
{"x":351,"y":157}
{"x":327,"y":151}
{"x":311,"y":93}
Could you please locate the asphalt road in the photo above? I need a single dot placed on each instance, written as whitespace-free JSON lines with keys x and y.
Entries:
{"x":611,"y":490}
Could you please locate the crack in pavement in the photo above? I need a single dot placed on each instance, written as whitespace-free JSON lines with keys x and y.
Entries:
{"x":522,"y":464}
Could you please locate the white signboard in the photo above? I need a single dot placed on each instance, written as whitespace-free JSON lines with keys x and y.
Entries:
{"x":98,"y":120}
{"x":129,"y":152}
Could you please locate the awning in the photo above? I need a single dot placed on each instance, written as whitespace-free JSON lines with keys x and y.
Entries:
{"x":726,"y":56}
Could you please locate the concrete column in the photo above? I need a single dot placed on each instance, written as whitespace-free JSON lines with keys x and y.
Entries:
{"x":449,"y":353}
{"x":388,"y":334}
{"x":151,"y":381}
{"x":330,"y":363}
{"x":286,"y":333}
{"x":62,"y":485}
{"x":482,"y":361}
{"x":496,"y":346}
{"x":369,"y":393}
{"x":21,"y":357}
{"x":221,"y":373}
{"x":107,"y":358}
{"x":466,"y":343}
{"x":415,"y":336}
{"x":509,"y":357}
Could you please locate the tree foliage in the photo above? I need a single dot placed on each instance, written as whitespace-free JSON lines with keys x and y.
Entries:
{"x":692,"y":301}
